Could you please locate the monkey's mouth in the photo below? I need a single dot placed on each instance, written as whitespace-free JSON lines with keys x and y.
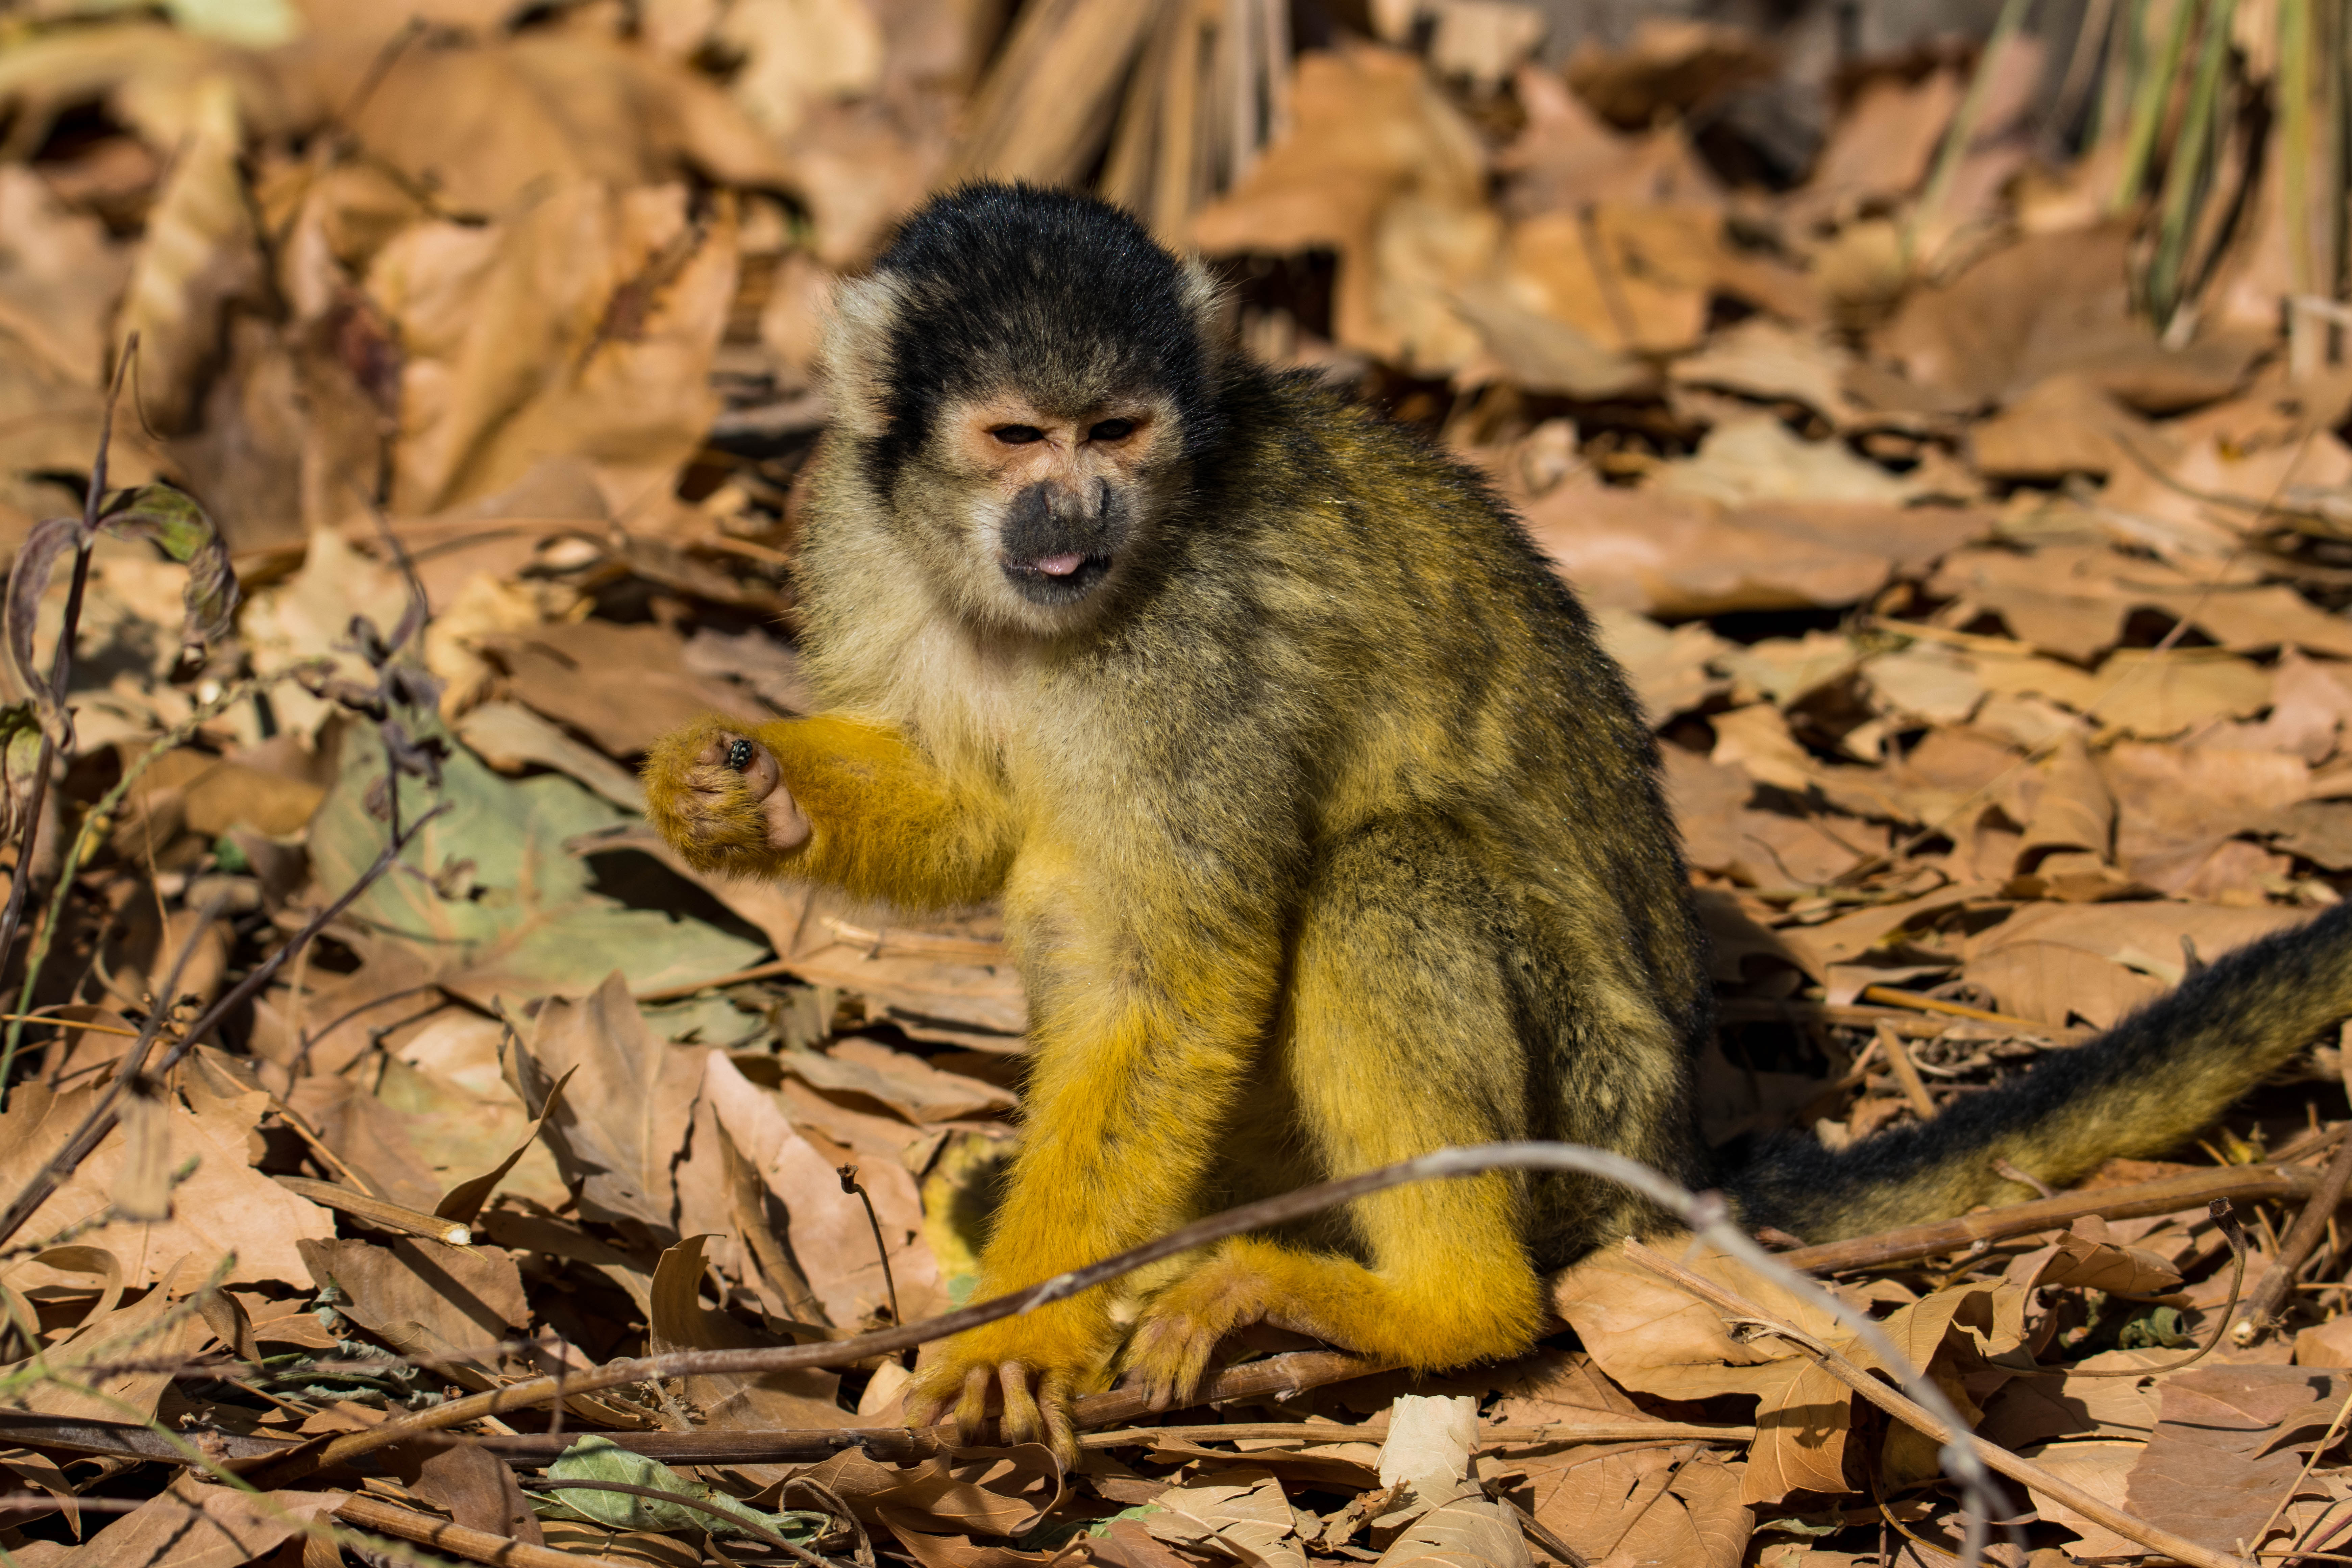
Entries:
{"x":1060,"y":578}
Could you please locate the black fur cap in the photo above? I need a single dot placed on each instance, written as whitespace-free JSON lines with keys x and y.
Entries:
{"x":1067,"y":298}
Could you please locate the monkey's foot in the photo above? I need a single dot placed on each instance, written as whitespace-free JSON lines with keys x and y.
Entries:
{"x":718,"y":795}
{"x":1181,"y":1328}
{"x":1032,"y":1367}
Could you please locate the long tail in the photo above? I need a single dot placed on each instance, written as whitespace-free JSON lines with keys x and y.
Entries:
{"x":2141,"y":1089}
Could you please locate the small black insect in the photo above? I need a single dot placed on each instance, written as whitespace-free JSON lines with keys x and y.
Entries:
{"x":738,"y":755}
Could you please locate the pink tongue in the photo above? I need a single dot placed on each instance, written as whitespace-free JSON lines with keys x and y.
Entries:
{"x":1059,"y":565}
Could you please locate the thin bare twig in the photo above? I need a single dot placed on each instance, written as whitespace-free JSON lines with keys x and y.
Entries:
{"x":444,"y":1535}
{"x":1708,"y":1216}
{"x":2227,"y":1219}
{"x":848,"y":1174}
{"x":2302,"y":1237}
{"x":2325,"y":1443}
{"x":2165,"y":1194}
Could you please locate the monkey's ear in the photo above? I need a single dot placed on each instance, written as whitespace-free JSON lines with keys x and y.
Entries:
{"x":1203,"y":299}
{"x":856,"y":359}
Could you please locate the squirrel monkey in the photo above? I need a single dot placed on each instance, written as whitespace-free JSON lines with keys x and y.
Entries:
{"x":1327,"y":834}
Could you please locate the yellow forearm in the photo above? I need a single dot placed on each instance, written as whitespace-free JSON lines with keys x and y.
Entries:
{"x":884,"y":822}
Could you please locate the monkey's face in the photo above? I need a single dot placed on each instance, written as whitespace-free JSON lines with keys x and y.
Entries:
{"x":1053,"y":501}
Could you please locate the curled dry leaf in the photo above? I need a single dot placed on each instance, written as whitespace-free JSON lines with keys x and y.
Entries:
{"x":680,"y":1322}
{"x":628,"y":1098}
{"x":831,"y":1237}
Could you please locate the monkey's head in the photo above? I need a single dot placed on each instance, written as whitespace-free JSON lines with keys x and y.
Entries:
{"x":1028,"y":380}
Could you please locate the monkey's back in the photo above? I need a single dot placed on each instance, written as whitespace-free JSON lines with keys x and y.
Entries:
{"x":1460,"y":678}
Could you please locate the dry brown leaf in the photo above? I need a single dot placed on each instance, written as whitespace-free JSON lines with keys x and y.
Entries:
{"x":483,"y":124}
{"x":1566,"y":158}
{"x":1370,"y":137}
{"x":1882,"y":145}
{"x":624,"y":1112}
{"x":191,"y":1524}
{"x":2073,"y":809}
{"x":831,"y":1238}
{"x":2054,"y":984}
{"x":369,"y":1136}
{"x":794,"y":51}
{"x":1705,"y":798}
{"x":1243,"y":1512}
{"x":582,"y":323}
{"x":512,"y":738}
{"x":1650,"y":1335}
{"x":2045,"y":304}
{"x":679,"y":1321}
{"x":2103,"y":1468}
{"x":107,"y":1367}
{"x":1762,"y":359}
{"x":1666,"y":63}
{"x":1629,"y":278}
{"x":58,"y":276}
{"x":2088,"y":1256}
{"x":2230,"y":1445}
{"x":2029,"y":1410}
{"x":448,"y":1306}
{"x":2329,"y":1344}
{"x":2172,"y":797}
{"x":2140,"y":691}
{"x":624,"y":687}
{"x":479,"y":1492}
{"x":1647,"y":1506}
{"x":224,"y":1206}
{"x":899,"y":1079}
{"x":2064,"y":424}
{"x":1471,"y":1531}
{"x":200,"y":253}
{"x":1674,"y":556}
{"x":2146,"y":936}
{"x":1782,"y":852}
{"x":1560,"y":1386}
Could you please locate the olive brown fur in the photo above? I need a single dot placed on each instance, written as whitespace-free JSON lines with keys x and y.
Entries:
{"x":1325,"y":832}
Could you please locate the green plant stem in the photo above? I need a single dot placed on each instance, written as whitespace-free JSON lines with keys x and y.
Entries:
{"x":20,"y":881}
{"x":1963,"y":129}
{"x":2147,"y":109}
{"x":2184,"y":172}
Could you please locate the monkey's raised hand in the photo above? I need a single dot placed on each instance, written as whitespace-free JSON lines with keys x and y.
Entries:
{"x":718,"y":793}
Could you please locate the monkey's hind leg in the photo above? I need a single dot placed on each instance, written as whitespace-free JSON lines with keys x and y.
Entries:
{"x":1399,"y":1039}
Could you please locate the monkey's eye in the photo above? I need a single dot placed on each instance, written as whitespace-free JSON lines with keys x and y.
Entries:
{"x":1017,"y":435}
{"x":1112,"y":430}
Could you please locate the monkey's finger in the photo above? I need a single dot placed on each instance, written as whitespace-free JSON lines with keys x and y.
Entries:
{"x":928,"y":1399}
{"x":1194,"y":1373}
{"x":1022,"y":1424}
{"x":788,"y":825}
{"x":1061,"y":1429}
{"x":1159,"y":1388}
{"x":971,"y":1410}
